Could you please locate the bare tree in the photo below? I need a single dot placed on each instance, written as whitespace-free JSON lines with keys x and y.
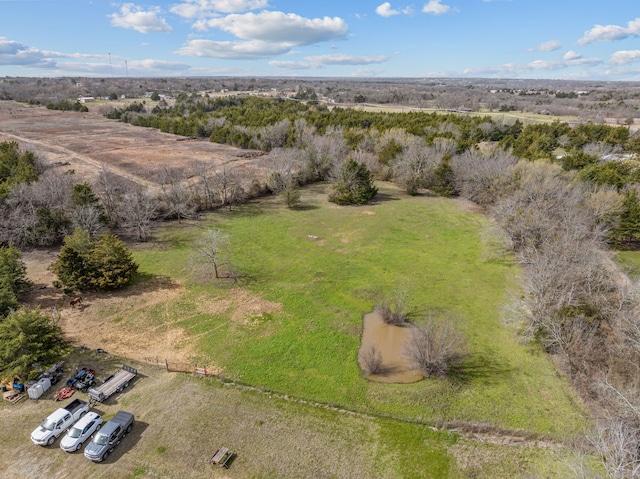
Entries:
{"x":210,"y":253}
{"x":139,"y":210}
{"x":322,"y":154}
{"x":370,"y":361}
{"x":204,"y":171}
{"x":89,"y":218}
{"x":228,"y":187}
{"x":178,"y":199}
{"x":617,"y":443}
{"x":477,"y":177}
{"x":435,"y":347}
{"x":393,"y":309}
{"x":283,"y":168}
{"x":415,"y":167}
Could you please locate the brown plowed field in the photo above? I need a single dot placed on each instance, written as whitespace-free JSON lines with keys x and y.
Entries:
{"x":89,"y":142}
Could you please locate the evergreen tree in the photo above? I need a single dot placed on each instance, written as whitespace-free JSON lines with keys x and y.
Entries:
{"x":8,"y":299}
{"x":13,"y":271}
{"x":628,"y":229}
{"x":112,"y":263}
{"x":84,"y":264}
{"x":355,"y":186}
{"x":28,"y":342}
{"x":15,"y":167}
{"x":443,"y":177}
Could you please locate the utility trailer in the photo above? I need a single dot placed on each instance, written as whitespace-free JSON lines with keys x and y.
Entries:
{"x":113,"y":384}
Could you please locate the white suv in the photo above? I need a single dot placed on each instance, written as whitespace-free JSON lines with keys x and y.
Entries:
{"x":80,"y":431}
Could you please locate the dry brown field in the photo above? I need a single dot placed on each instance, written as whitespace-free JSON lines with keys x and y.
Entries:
{"x":89,"y":142}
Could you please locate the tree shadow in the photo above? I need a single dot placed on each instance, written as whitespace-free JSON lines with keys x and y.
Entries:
{"x":383,"y":198}
{"x":478,"y":368}
{"x":305,"y":207}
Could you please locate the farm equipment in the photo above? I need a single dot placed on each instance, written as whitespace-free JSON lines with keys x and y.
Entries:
{"x":113,"y":384}
{"x":64,"y":393}
{"x":18,"y":387}
{"x":54,"y":373}
{"x":83,"y":379}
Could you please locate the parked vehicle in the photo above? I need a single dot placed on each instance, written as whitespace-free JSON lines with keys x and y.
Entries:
{"x":113,"y":384}
{"x":81,"y":431}
{"x":111,"y":434}
{"x":83,"y":379}
{"x":58,"y":422}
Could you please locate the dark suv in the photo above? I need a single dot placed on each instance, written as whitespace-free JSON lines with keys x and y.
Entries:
{"x":106,"y":439}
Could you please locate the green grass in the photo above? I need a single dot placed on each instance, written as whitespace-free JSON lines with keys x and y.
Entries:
{"x":427,"y":245}
{"x":630,"y":261}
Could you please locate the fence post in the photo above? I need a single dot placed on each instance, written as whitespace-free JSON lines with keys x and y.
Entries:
{"x":166,"y":363}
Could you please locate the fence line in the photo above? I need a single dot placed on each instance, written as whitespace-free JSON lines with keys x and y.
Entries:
{"x":179,"y":367}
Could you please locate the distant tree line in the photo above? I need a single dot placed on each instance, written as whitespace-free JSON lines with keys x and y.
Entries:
{"x":67,"y":105}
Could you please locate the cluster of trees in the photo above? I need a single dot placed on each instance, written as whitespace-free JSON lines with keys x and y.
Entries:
{"x":40,"y":206}
{"x":28,"y":339}
{"x":68,"y":105}
{"x":87,"y":264}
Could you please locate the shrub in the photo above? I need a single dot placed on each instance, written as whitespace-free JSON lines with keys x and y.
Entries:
{"x":435,"y":347}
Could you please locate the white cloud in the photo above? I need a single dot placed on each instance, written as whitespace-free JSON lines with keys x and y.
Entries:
{"x":549,"y":46}
{"x":207,"y":8}
{"x":294,"y":65}
{"x":546,"y":65}
{"x":16,"y":53}
{"x":156,"y":65}
{"x":318,"y":61}
{"x":342,"y":59}
{"x":366,"y":72}
{"x":571,"y":55}
{"x":608,"y":33}
{"x":622,"y":57}
{"x":435,"y":7}
{"x":385,"y":10}
{"x":279,"y":27}
{"x":516,"y":69}
{"x":249,"y":50}
{"x":135,"y":18}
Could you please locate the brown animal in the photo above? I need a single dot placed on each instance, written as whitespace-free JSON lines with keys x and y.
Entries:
{"x":75,"y":301}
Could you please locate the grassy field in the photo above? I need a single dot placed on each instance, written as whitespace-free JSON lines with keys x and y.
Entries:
{"x":429,"y":246}
{"x":295,"y":404}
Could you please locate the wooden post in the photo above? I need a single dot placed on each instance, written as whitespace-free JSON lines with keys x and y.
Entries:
{"x":166,"y":363}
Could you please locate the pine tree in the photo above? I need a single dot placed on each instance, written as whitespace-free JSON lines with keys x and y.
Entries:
{"x":84,"y":264}
{"x":112,"y":263}
{"x":355,"y":186}
{"x":29,"y":340}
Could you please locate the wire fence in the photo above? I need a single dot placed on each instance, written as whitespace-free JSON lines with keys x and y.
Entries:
{"x":179,"y":367}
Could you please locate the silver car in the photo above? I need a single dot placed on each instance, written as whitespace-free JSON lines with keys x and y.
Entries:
{"x":81,"y":431}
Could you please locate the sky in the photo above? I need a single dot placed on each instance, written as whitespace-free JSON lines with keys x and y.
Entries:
{"x":542,"y":39}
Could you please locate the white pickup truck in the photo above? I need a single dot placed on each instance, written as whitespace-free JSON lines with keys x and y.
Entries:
{"x":58,"y":422}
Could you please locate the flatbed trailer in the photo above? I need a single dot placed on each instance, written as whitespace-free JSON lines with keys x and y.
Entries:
{"x":113,"y":384}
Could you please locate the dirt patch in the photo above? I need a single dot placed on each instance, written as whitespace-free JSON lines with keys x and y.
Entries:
{"x":134,"y":323}
{"x":244,"y":307}
{"x":101,"y":320}
{"x":89,"y":142}
{"x":387,"y":341}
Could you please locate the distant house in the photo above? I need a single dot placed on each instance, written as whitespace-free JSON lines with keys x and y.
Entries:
{"x":86,"y":99}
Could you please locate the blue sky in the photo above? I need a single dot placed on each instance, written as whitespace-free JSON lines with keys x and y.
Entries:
{"x":559,"y":39}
